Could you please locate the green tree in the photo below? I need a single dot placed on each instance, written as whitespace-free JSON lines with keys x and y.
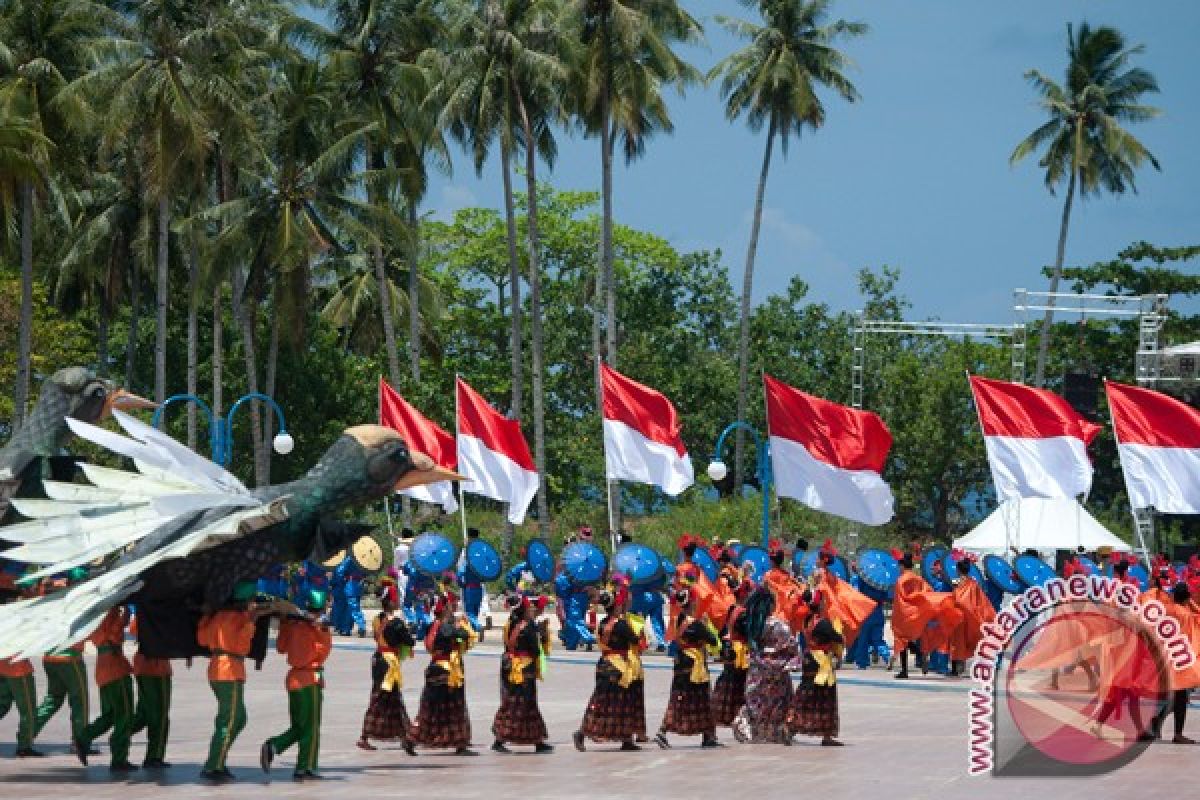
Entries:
{"x":773,"y":81}
{"x":1083,"y":138}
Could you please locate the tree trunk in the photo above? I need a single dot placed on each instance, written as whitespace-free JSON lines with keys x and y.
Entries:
{"x":514,"y":337}
{"x":131,"y":340}
{"x":268,"y":434}
{"x":535,"y":325}
{"x":744,"y":323}
{"x":1048,"y":319}
{"x":193,"y":337}
{"x":218,"y":354}
{"x":385,"y":297}
{"x":246,"y":316}
{"x":606,"y":227}
{"x":105,"y":315}
{"x":414,"y":296}
{"x":160,"y":302}
{"x":25,"y":326}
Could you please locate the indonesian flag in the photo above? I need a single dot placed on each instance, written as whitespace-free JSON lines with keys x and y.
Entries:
{"x":493,"y":455}
{"x":1158,"y":438}
{"x":423,"y":435}
{"x":827,"y":456}
{"x":641,"y":435}
{"x":1036,"y":443}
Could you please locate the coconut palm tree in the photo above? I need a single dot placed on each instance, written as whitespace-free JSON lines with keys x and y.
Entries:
{"x":353,"y":308}
{"x":505,"y":82}
{"x":41,"y":52}
{"x":773,"y":81}
{"x":625,"y":61}
{"x":154,"y":82}
{"x":1083,"y":138}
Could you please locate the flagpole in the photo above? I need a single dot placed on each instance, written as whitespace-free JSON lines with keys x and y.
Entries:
{"x":608,"y":482}
{"x":462,"y":494}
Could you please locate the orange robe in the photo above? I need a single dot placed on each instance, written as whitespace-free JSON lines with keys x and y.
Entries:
{"x":787,"y":595}
{"x":1189,"y":625}
{"x":914,"y":606}
{"x":109,"y":638}
{"x":846,"y":605}
{"x":977,"y":611}
{"x":228,"y":635}
{"x":306,"y":646}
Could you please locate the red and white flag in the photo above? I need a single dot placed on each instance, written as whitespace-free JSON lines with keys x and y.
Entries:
{"x":828,"y":456}
{"x":641,"y":435}
{"x":1036,"y":443}
{"x":425,"y":436}
{"x":493,"y":454}
{"x":1158,"y":438}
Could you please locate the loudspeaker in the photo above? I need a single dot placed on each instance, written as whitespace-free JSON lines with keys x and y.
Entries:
{"x":1081,"y":390}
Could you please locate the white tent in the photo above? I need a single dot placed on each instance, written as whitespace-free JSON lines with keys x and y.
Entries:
{"x":1042,"y":524}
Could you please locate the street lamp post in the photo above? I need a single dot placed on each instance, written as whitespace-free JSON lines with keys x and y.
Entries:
{"x":717,"y":470}
{"x":220,"y":429}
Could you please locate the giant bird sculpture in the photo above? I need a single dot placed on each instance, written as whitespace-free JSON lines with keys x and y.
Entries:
{"x":175,"y":536}
{"x":74,"y":392}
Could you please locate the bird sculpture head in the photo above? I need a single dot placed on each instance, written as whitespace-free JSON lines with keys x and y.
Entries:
{"x":72,"y":392}
{"x":366,"y":463}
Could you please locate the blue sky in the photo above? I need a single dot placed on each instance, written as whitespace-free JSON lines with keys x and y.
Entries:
{"x":916,"y":174}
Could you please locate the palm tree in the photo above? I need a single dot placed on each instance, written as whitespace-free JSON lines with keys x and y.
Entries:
{"x":353,"y":308}
{"x":773,"y":81}
{"x":41,"y":51}
{"x":506,"y":81}
{"x":625,"y":61}
{"x":1083,"y":138}
{"x":154,"y":81}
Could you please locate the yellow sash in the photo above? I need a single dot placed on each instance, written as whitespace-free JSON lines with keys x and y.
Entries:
{"x":394,"y":679}
{"x":453,"y":665}
{"x":741,"y":655}
{"x":629,"y":665}
{"x":516,"y":668}
{"x":699,"y":666}
{"x":825,"y":673}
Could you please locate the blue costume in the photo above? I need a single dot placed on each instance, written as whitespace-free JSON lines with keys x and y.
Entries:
{"x":472,"y":596}
{"x":310,"y":576}
{"x":870,"y":636}
{"x":347,"y":598}
{"x":513,"y":577}
{"x":417,"y":612}
{"x":274,"y":583}
{"x":575,"y":602}
{"x":648,"y":601}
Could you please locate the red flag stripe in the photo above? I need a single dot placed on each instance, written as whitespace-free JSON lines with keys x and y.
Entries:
{"x":1011,"y":409}
{"x":497,"y":432}
{"x":419,"y":432}
{"x":646,"y":410}
{"x":844,"y":437}
{"x":1143,"y":416}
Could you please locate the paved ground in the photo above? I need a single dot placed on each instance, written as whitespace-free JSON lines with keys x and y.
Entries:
{"x":904,"y":740}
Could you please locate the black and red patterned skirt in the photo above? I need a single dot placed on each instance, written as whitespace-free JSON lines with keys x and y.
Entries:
{"x":386,"y":718}
{"x":614,"y":714}
{"x":689,"y":710}
{"x":728,"y":695}
{"x":519,"y":720}
{"x":442,"y":720}
{"x":814,"y":709}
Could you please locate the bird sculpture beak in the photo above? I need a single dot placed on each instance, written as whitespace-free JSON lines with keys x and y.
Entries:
{"x":425,"y":471}
{"x":121,"y":400}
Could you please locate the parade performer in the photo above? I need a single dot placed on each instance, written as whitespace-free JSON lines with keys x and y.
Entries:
{"x":870,"y":645}
{"x":66,"y":678}
{"x":472,"y":589}
{"x":914,"y":606}
{"x":814,"y":709}
{"x":228,"y":634}
{"x":648,"y":603}
{"x":784,"y":589}
{"x":113,"y":673}
{"x":616,"y":711}
{"x":442,"y":720}
{"x":274,"y":583}
{"x":689,"y":709}
{"x":575,"y":601}
{"x":348,"y":588}
{"x":1177,"y":600}
{"x":386,"y":718}
{"x":17,"y":687}
{"x":526,"y":643}
{"x":729,"y":691}
{"x":418,"y":589}
{"x":764,"y":717}
{"x":153,"y":679}
{"x":307,"y":643}
{"x":977,"y":611}
{"x":841,"y":602}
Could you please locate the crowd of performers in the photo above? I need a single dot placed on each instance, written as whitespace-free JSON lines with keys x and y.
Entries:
{"x":761,"y":629}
